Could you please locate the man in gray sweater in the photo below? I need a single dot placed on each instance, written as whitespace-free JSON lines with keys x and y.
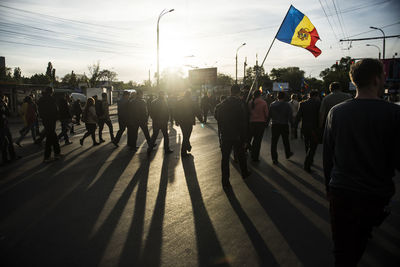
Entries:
{"x":281,"y":116}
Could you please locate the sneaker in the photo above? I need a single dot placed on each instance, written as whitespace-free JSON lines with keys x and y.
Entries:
{"x":68,"y":142}
{"x":290,"y":154}
{"x":81,"y":142}
{"x":96,"y":144}
{"x":115,"y":143}
{"x":59,"y":156}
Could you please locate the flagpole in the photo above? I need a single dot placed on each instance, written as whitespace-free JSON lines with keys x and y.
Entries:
{"x":269,"y":49}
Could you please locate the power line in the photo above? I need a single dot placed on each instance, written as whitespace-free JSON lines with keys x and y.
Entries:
{"x":328,"y":19}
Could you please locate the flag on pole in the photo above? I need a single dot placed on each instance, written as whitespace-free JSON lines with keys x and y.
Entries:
{"x":298,"y":30}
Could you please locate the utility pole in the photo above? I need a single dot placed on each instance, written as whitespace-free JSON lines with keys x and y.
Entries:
{"x":244,"y":69}
{"x":384,"y":37}
{"x":237,"y":50}
{"x":158,"y":44}
{"x":256,"y":81}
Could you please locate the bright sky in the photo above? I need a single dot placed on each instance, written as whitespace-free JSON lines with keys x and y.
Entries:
{"x":121,"y":34}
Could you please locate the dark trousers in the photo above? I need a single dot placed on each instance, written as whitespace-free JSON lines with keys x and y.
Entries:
{"x":352,"y":219}
{"x":6,"y":144}
{"x":110,"y":127}
{"x":25,"y":131}
{"x":91,"y":130}
{"x":256,"y":136}
{"x":51,"y":139}
{"x":157,"y":126}
{"x":122,"y":127}
{"x":145,"y":130}
{"x":186,"y":133}
{"x":64,"y":130}
{"x":77,"y":118}
{"x":311,"y":144}
{"x":226,"y":149}
{"x":205,"y":114}
{"x":276,"y":131}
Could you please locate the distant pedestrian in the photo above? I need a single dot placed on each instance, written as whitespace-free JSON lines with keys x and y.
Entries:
{"x":186,"y":112}
{"x":308,"y":114}
{"x":361,"y":154}
{"x":29,"y":116}
{"x":281,"y":116}
{"x":6,"y":142}
{"x":48,"y":111}
{"x":90,"y":119}
{"x":258,"y":109}
{"x":159,"y":113}
{"x":77,"y":108}
{"x":294,"y":104}
{"x":104,"y":118}
{"x":140,"y":117}
{"x":123,"y":116}
{"x":335,"y":97}
{"x":230,"y":115}
{"x":65,"y":118}
{"x":205,"y":104}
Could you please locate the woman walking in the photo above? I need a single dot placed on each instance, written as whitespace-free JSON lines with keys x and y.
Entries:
{"x":90,"y":119}
{"x":258,"y":118}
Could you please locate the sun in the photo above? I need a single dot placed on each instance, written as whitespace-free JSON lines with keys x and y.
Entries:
{"x":173,"y":53}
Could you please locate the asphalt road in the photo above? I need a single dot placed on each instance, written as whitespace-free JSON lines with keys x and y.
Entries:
{"x":107,"y":206}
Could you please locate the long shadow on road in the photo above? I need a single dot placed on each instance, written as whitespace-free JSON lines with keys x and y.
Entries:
{"x":210,"y":252}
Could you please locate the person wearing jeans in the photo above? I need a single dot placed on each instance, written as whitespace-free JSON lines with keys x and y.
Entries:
{"x":258,"y":118}
{"x":90,"y":119}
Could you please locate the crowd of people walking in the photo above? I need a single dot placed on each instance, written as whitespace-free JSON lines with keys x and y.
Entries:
{"x":360,"y":136}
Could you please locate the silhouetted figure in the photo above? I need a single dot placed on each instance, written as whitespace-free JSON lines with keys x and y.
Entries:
{"x":335,"y":97}
{"x":294,"y":104}
{"x":29,"y":116}
{"x":77,"y":111}
{"x":65,"y":117}
{"x":6,"y":142}
{"x":104,"y":118}
{"x":309,"y":115}
{"x":186,"y":112}
{"x":258,"y":109}
{"x":48,"y":111}
{"x":205,"y":104}
{"x":123,"y":115}
{"x":140,"y":116}
{"x":90,"y":119}
{"x":230,"y":115}
{"x":360,"y":157}
{"x":281,"y":116}
{"x":160,"y":115}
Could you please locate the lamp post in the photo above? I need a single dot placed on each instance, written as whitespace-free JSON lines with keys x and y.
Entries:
{"x":384,"y":37}
{"x":158,"y":43}
{"x":376,"y":47}
{"x":237,"y":50}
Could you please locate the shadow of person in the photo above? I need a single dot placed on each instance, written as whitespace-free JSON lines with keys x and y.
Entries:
{"x":265,"y":257}
{"x":210,"y":252}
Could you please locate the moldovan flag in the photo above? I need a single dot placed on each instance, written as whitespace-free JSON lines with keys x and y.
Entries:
{"x":297,"y":29}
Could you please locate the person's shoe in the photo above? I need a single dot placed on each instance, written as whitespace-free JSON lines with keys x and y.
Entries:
{"x":184,"y":154}
{"x":68,"y":142}
{"x":102,"y":140}
{"x":81,"y":142}
{"x":275,"y":162}
{"x":168,"y":151}
{"x":247,"y":174}
{"x":18,"y":144}
{"x":290,"y":154}
{"x":115,"y":143}
{"x":96,"y":144}
{"x":47,"y":160}
{"x":189,"y":148}
{"x":59,"y":156}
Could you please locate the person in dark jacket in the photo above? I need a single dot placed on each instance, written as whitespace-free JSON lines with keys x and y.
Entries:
{"x":230,"y":115}
{"x":159,"y":113}
{"x":308,"y":113}
{"x":65,"y":118}
{"x":205,"y":104}
{"x":185,"y":115}
{"x":6,"y":142}
{"x":104,"y":118}
{"x":77,"y":109}
{"x":281,"y":116}
{"x":123,"y":115}
{"x":360,"y":157}
{"x":140,"y":118}
{"x":48,"y":111}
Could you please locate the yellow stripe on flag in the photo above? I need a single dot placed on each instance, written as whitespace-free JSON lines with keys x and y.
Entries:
{"x":301,"y":36}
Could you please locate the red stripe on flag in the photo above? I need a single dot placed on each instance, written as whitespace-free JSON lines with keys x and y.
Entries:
{"x":314,"y":38}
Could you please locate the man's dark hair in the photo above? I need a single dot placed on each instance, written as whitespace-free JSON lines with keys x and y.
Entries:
{"x":335,"y":86}
{"x":103,"y":95}
{"x":235,"y":89}
{"x":314,"y":93}
{"x":281,"y":95}
{"x":364,"y":72}
{"x":94,"y":97}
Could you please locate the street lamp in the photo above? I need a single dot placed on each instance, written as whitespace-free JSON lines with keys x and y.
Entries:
{"x":158,"y":43}
{"x":237,"y":50}
{"x":376,"y":47}
{"x":384,"y":37}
